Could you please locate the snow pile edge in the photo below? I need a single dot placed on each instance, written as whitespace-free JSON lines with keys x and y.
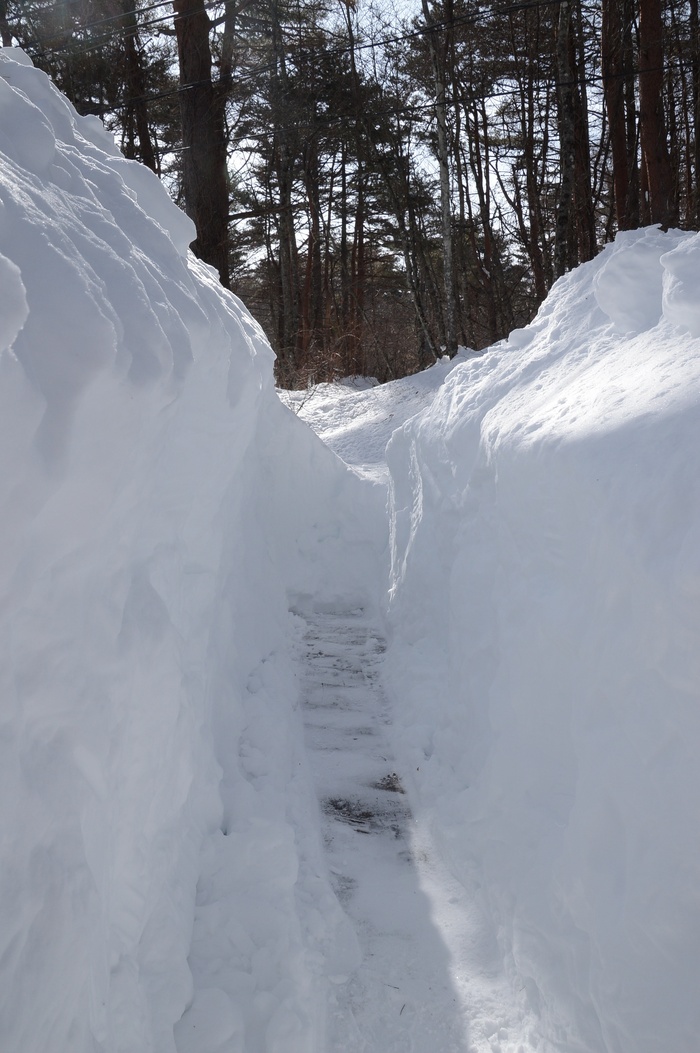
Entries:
{"x":546,"y":556}
{"x":152,"y":856}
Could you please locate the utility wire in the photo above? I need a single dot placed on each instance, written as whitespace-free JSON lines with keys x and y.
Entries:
{"x":116,"y":35}
{"x":522,"y":5}
{"x":135,"y":11}
{"x":591,"y":81}
{"x":419,"y":31}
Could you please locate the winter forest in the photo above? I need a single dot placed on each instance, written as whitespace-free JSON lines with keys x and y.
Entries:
{"x":383,"y":183}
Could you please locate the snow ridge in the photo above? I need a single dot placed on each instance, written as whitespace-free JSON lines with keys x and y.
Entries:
{"x":545,"y":513}
{"x":158,"y":504}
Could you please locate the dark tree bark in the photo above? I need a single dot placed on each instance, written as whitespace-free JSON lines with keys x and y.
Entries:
{"x":136,"y":89}
{"x":583,"y":192}
{"x":204,"y":142}
{"x":612,"y":54}
{"x":5,"y":31}
{"x":284,"y":149}
{"x":634,"y":205}
{"x":655,"y":155}
{"x":312,"y":306}
{"x":530,"y":119}
{"x":438,"y":59}
{"x":694,"y":206}
{"x":479,"y":163}
{"x":359,"y":273}
{"x":567,"y":142}
{"x":358,"y":261}
{"x":398,"y":187}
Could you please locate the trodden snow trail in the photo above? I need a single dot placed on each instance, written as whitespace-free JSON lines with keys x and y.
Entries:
{"x":414,"y":923}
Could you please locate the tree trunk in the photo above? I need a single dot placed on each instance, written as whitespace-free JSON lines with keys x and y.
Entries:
{"x":632,"y":117}
{"x":694,"y":207}
{"x":529,"y":121}
{"x":445,"y":197}
{"x":5,"y":31}
{"x":583,"y":195}
{"x":136,"y":86}
{"x":612,"y":55}
{"x":312,"y":313}
{"x":655,"y":155}
{"x":567,"y":142}
{"x":204,"y":141}
{"x":359,"y":275}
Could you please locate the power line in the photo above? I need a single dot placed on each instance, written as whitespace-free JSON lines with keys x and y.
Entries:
{"x":116,"y":18}
{"x":434,"y":27}
{"x":344,"y":49}
{"x":107,"y":38}
{"x":522,"y":5}
{"x":419,"y":31}
{"x":589,"y":81}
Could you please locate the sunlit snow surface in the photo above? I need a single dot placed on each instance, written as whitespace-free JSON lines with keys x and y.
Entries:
{"x":357,"y":417}
{"x":546,"y":611}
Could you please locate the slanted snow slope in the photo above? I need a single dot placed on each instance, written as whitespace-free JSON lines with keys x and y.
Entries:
{"x":158,"y":504}
{"x":357,"y":417}
{"x":546,"y":660}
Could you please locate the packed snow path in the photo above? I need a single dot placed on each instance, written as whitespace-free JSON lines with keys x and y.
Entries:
{"x":401,"y":998}
{"x":414,"y":989}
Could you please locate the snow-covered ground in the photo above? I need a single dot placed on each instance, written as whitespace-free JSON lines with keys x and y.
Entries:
{"x":204,"y":845}
{"x":357,"y":417}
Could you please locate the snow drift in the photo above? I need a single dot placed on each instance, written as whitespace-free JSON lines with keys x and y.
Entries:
{"x":546,"y":618}
{"x":150,"y":759}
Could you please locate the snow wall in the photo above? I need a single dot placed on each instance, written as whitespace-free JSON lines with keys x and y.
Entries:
{"x":158,"y":506}
{"x":546,"y":658}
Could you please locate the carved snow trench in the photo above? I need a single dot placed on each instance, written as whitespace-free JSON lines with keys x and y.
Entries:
{"x":402,"y":997}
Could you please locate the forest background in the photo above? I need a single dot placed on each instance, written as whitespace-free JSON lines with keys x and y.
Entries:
{"x":381,"y":184}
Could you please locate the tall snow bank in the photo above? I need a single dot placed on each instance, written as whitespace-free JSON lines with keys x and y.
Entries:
{"x":157,"y":504}
{"x":546,"y":668}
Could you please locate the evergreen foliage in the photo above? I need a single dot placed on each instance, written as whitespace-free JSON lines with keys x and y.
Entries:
{"x":381,"y":189}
